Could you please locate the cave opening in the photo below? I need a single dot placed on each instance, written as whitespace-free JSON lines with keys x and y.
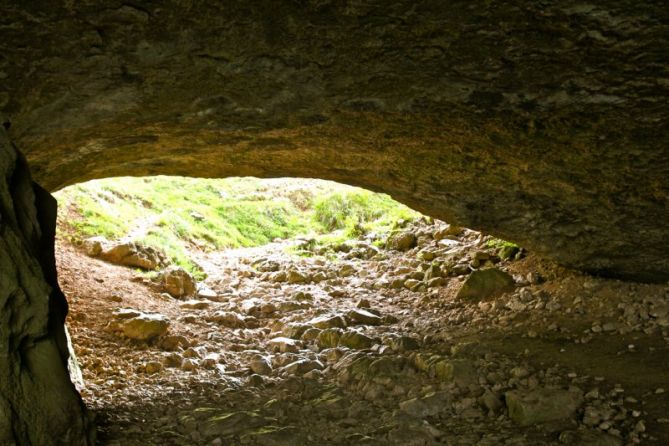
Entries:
{"x":196,"y":298}
{"x":538,"y":122}
{"x":294,"y":311}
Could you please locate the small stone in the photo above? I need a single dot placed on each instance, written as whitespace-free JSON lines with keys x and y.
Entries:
{"x":195,"y":305}
{"x":189,"y":364}
{"x":403,"y":343}
{"x":174,"y":342}
{"x":355,"y":340}
{"x":295,"y":276}
{"x":329,"y":337}
{"x":363,"y":303}
{"x":204,"y":292}
{"x":131,"y":254}
{"x":436,"y":282}
{"x":324,"y":322}
{"x":446,"y":231}
{"x":255,"y":381}
{"x":228,"y":319}
{"x":360,"y":316}
{"x":153,"y":367}
{"x":302,"y":366}
{"x":491,"y":401}
{"x":173,"y":360}
{"x":310,"y":334}
{"x":260,"y":366}
{"x":294,"y":330}
{"x":411,"y":284}
{"x":284,"y":345}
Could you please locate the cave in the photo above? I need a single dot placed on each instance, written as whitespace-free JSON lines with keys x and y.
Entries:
{"x":544,"y":123}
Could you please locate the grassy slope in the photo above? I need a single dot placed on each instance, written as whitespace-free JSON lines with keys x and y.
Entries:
{"x":177,"y":214}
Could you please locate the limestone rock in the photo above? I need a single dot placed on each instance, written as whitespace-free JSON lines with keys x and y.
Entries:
{"x":132,"y":254}
{"x":260,"y":366}
{"x":328,"y":321}
{"x":93,"y":246}
{"x":485,"y":283}
{"x":360,"y":316}
{"x":284,"y":345}
{"x":542,"y":405}
{"x":302,"y":366}
{"x":38,"y":403}
{"x":295,"y":276}
{"x":355,"y":340}
{"x":178,"y":282}
{"x":448,"y":230}
{"x":402,"y":241}
{"x":145,"y":326}
{"x":228,"y":319}
{"x":329,"y":337}
{"x":153,"y":367}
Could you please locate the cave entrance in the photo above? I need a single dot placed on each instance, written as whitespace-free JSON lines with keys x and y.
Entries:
{"x":207,"y":311}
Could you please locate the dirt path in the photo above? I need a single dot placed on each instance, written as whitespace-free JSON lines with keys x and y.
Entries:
{"x":335,"y":350}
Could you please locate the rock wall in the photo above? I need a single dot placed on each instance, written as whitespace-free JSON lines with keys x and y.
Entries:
{"x":543,"y":122}
{"x":38,"y":403}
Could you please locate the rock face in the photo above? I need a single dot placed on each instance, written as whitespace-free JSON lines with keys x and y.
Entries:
{"x":540,"y":122}
{"x":38,"y":403}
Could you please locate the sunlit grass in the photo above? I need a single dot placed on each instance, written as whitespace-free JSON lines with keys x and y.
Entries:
{"x":178,"y":215}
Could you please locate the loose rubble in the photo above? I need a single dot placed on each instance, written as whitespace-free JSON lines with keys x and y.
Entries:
{"x":440,"y":337}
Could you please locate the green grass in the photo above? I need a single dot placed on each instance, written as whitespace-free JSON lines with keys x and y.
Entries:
{"x":178,"y":215}
{"x":498,"y":243}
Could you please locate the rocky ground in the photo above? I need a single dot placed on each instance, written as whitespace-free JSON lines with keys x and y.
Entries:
{"x":424,"y":342}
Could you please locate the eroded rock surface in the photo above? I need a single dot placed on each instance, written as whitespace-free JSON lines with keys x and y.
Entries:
{"x":38,"y":403}
{"x":541,"y":122}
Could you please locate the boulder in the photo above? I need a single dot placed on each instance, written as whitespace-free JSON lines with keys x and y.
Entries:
{"x":402,"y":241}
{"x":145,"y":326}
{"x":177,"y":282}
{"x":130,"y":254}
{"x":485,"y":283}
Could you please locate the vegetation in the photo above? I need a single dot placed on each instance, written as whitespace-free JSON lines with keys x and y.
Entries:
{"x":498,"y":243}
{"x":178,"y":215}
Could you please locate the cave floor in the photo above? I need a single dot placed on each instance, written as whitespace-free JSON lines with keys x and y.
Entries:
{"x":415,"y":367}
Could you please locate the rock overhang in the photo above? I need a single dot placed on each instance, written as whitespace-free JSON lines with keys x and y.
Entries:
{"x":541,"y":123}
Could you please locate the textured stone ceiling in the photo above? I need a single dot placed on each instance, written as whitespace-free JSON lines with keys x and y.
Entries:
{"x":540,"y":122}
